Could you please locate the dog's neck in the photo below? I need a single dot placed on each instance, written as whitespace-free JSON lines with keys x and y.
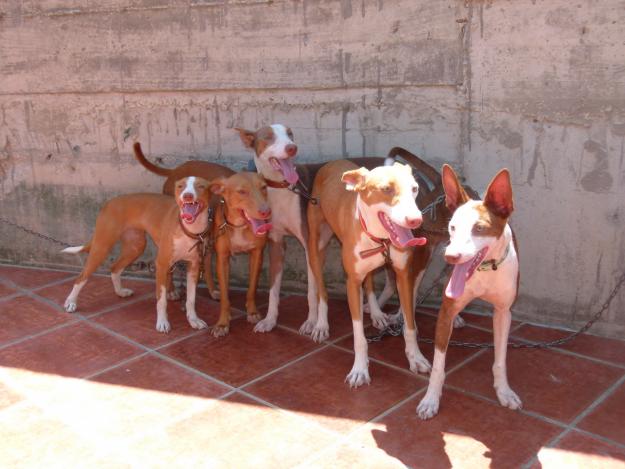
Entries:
{"x":233,"y":216}
{"x":199,"y":225}
{"x":371,"y":221}
{"x":498,"y":248}
{"x":266,"y":170}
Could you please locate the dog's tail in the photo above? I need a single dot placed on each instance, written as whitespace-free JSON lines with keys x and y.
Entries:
{"x":417,"y":163}
{"x":77,"y":249}
{"x":148,"y":164}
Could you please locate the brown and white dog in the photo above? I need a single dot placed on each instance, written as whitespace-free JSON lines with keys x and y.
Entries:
{"x":483,"y":251}
{"x":203,"y":169}
{"x":240,"y":225}
{"x":372,"y":214}
{"x":174,"y":224}
{"x":274,"y":154}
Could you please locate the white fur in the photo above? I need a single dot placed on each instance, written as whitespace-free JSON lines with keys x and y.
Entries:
{"x":462,"y":242}
{"x":239,"y":242}
{"x":73,"y":249}
{"x":192,"y":317}
{"x":189,"y":188}
{"x":359,"y":373}
{"x":72,"y":299}
{"x":277,"y":150}
{"x":116,"y":278}
{"x":162,"y":323}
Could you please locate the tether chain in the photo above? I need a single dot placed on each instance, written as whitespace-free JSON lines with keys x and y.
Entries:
{"x":397,"y":328}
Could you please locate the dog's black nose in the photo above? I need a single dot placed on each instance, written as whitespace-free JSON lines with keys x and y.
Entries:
{"x":188,"y":197}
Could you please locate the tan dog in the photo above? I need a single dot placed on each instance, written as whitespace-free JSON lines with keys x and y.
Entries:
{"x":372,"y":214}
{"x":174,"y":225}
{"x":483,"y":252}
{"x":240,"y":226}
{"x":202,"y":169}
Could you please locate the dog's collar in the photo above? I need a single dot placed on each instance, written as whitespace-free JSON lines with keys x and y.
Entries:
{"x":384,"y":244}
{"x":493,"y":264}
{"x":198,"y":236}
{"x":276,"y":184}
{"x":226,"y":223}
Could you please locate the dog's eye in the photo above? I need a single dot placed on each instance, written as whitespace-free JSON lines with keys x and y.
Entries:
{"x":388,"y":190}
{"x":452,"y":228}
{"x":479,"y":228}
{"x":242,"y":191}
{"x":290,"y":134}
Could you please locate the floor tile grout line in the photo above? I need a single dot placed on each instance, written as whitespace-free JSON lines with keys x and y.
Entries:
{"x":36,"y":335}
{"x":573,"y":424}
{"x":17,"y":286}
{"x":115,"y":366}
{"x":604,"y":439}
{"x":12,"y":296}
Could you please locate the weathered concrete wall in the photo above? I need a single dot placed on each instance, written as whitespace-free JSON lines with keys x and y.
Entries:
{"x":536,"y":86}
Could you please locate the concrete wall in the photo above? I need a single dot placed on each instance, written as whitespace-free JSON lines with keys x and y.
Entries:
{"x":537,"y":86}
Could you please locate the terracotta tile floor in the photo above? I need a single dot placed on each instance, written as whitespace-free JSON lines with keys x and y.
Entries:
{"x":102,"y":388}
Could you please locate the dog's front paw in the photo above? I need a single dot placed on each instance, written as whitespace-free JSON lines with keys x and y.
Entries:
{"x":174,"y":295}
{"x":508,"y":398}
{"x":70,"y":306}
{"x":320,"y":333}
{"x":418,"y":363}
{"x":264,"y":325}
{"x":253,"y":318}
{"x":459,"y":322}
{"x":124,"y":292}
{"x":381,"y":320}
{"x":220,"y":331}
{"x":163,"y":326}
{"x":307,"y":327}
{"x":358,"y":377}
{"x":197,"y":323}
{"x":428,"y":407}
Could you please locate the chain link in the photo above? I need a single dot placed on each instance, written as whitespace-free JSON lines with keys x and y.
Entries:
{"x":396,"y":328}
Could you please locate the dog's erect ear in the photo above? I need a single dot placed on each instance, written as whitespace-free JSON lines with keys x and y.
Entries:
{"x":455,"y":196}
{"x":217,"y":186}
{"x":498,"y":197}
{"x":355,"y":179}
{"x":248,"y":137}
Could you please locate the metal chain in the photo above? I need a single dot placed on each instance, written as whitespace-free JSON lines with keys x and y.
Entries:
{"x":397,"y":328}
{"x":134,"y":267}
{"x":34,"y":233}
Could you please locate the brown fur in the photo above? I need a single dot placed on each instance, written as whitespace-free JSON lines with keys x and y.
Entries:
{"x":128,"y":218}
{"x":241,"y":191}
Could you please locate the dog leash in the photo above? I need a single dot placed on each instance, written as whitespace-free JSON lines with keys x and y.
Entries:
{"x":298,"y":188}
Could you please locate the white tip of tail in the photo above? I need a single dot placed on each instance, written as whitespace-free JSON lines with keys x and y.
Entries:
{"x":73,"y":250}
{"x":389,"y":161}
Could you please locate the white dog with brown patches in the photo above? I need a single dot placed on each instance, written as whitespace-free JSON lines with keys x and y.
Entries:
{"x":372,"y":214}
{"x":484,"y":254}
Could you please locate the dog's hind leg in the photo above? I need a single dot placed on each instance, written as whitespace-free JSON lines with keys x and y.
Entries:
{"x":99,"y":247}
{"x":320,"y":236}
{"x":132,"y":246}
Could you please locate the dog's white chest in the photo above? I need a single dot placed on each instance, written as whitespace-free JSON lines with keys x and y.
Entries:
{"x":239,"y":242}
{"x":184,"y":249}
{"x":286,"y":215}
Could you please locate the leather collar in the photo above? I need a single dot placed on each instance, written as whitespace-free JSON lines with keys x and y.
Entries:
{"x":384,"y":244}
{"x":276,"y":184}
{"x":492,"y":264}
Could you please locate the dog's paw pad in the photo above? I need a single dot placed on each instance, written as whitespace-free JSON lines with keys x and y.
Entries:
{"x":220,"y":331}
{"x":427,"y":408}
{"x":264,"y":325}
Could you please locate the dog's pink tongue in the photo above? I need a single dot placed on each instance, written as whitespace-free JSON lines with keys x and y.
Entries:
{"x":405,"y":237}
{"x":260,"y":227}
{"x":288,"y":170}
{"x":455,"y":287}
